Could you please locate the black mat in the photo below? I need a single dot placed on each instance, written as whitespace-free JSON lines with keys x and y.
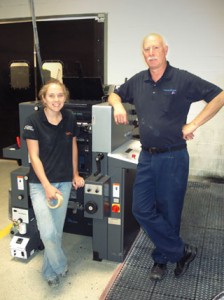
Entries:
{"x":202,"y":226}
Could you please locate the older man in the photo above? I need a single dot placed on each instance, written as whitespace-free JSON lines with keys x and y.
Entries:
{"x":162,"y":96}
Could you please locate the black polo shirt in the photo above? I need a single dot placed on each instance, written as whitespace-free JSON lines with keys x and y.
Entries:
{"x":55,"y":144}
{"x":162,"y":107}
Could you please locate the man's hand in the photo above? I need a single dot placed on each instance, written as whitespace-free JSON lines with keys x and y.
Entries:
{"x":120,"y":114}
{"x":188,"y":131}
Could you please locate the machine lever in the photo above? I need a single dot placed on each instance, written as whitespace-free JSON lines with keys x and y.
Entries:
{"x":99,"y":157}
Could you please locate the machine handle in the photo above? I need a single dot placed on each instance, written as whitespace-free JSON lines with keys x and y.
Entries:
{"x":98,"y":158}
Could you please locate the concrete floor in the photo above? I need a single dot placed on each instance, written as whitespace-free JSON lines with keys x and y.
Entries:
{"x":22,"y":279}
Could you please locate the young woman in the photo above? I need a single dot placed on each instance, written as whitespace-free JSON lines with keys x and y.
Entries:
{"x":50,"y":134}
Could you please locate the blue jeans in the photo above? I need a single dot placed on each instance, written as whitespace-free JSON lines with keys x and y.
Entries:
{"x":50,"y":223}
{"x":158,"y":197}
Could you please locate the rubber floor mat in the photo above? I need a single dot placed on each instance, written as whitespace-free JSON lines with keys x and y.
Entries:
{"x":202,"y":226}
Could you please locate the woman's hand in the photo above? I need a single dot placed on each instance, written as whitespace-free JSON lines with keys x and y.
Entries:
{"x":51,"y":192}
{"x":78,"y":182}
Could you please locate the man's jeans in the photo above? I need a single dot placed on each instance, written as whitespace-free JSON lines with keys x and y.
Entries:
{"x":50,"y":223}
{"x":159,"y":191}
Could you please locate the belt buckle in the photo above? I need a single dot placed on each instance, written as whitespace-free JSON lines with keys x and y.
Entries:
{"x":153,"y":150}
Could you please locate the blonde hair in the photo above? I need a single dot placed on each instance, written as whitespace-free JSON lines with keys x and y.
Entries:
{"x":45,"y":87}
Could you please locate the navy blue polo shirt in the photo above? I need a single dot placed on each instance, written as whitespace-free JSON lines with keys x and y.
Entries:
{"x":55,"y":144}
{"x":162,"y":107}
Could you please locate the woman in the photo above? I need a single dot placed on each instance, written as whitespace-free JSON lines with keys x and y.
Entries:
{"x":50,"y":134}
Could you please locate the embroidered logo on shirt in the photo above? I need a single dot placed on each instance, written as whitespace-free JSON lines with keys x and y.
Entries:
{"x":29,"y":127}
{"x":170,"y":91}
{"x":68,"y":133}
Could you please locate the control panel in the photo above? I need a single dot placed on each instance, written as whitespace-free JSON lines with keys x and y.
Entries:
{"x":128,"y":152}
{"x":97,"y":194}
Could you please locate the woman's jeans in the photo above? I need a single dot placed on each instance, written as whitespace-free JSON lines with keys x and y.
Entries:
{"x":50,"y":223}
{"x":158,"y":198}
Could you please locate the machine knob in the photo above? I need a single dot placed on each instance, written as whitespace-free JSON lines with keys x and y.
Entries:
{"x":20,"y":197}
{"x":91,"y":207}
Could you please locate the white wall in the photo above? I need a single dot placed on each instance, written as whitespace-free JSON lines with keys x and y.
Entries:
{"x":194,"y":30}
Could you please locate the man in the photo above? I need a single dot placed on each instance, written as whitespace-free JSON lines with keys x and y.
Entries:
{"x":162,"y":96}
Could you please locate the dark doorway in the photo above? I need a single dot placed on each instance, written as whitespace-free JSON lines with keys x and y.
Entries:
{"x":78,"y":44}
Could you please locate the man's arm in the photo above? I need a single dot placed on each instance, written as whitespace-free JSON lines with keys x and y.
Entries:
{"x":204,"y":116}
{"x":120,"y":114}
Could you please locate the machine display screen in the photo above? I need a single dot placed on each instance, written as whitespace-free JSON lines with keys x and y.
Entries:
{"x":84,"y":88}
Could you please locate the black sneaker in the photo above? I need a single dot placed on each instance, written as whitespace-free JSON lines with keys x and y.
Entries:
{"x":183,"y":264}
{"x":158,"y":271}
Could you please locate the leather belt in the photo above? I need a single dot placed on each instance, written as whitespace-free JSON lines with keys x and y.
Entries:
{"x":154,"y":150}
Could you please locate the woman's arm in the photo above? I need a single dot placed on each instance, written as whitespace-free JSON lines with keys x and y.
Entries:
{"x":33,"y":150}
{"x":78,"y":181}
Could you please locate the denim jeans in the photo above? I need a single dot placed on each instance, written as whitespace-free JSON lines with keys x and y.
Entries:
{"x":50,"y":223}
{"x":158,"y":198}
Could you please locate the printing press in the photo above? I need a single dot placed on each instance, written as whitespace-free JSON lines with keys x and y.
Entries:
{"x":108,"y":156}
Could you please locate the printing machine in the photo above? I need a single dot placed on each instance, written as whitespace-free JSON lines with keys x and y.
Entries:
{"x":106,"y":199}
{"x":26,"y":239}
{"x":108,"y":191}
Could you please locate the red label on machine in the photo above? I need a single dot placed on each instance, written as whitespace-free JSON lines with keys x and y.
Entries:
{"x":20,"y":183}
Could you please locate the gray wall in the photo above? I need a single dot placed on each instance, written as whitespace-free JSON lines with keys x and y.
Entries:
{"x":194,"y":30}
